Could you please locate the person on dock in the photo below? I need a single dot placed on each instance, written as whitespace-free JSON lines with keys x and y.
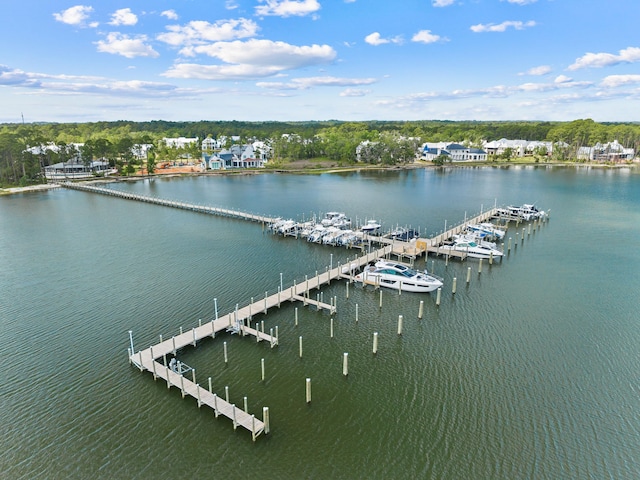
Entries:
{"x":172,"y":364}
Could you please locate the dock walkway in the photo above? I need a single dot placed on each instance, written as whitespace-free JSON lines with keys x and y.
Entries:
{"x":238,"y":321}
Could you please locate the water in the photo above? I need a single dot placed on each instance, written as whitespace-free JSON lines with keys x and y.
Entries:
{"x":529,"y":371}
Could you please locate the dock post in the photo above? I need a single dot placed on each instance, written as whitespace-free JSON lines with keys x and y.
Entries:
{"x":278,"y":297}
{"x":380,"y":305}
{"x":331,"y":328}
{"x":180,"y":330}
{"x":193,"y":375}
{"x":455,"y":283}
{"x":276,"y":339}
{"x":300,"y":346}
{"x":421,"y":309}
{"x":226,"y":358}
{"x":253,"y":427}
{"x":375,"y":342}
{"x":317,"y":301}
{"x":306,"y":281}
{"x":193,"y":330}
{"x":265,"y":419}
{"x":235,"y":424}
{"x":250,"y":304}
{"x":226,"y":393}
{"x":199,"y":322}
{"x":335,"y":304}
{"x":490,"y":258}
{"x":246,"y":405}
{"x":522,"y":240}
{"x":173,"y":339}
{"x":296,"y":316}
{"x":166,"y":372}
{"x":182,"y":385}
{"x":140,"y":357}
{"x":198,"y":391}
{"x":317,"y":280}
{"x":480,"y":267}
{"x":209,"y":384}
{"x":153,"y":363}
{"x":213,"y":329}
{"x":262,"y":326}
{"x":347,"y":284}
{"x":262,"y":368}
{"x":438,"y":296}
{"x":468,"y":274}
{"x":509,"y":246}
{"x":215,"y":405}
{"x":265,"y":303}
{"x":345,"y":364}
{"x":257,"y":332}
{"x":433,"y":265}
{"x":308,"y":385}
{"x":215,"y":303}
{"x":131,"y":341}
{"x":399,"y":324}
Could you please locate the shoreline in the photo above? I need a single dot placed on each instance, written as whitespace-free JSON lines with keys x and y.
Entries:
{"x":314,"y":171}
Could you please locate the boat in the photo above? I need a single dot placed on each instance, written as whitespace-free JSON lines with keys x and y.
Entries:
{"x":532,"y":210}
{"x":398,"y":276}
{"x":476,"y":237}
{"x":526,"y":212}
{"x":316,"y":235}
{"x":372,"y":227}
{"x":335,"y":219}
{"x":471,"y":248}
{"x":488,"y":229}
{"x":404,"y":234}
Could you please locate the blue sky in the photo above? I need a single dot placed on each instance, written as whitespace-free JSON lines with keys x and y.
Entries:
{"x":291,"y":60}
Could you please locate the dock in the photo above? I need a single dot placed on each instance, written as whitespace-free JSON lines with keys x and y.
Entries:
{"x":238,"y":321}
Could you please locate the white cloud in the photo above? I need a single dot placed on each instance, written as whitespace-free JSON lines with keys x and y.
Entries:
{"x":287,"y":8}
{"x":126,"y":46}
{"x":170,"y":14}
{"x":522,"y":2}
{"x":442,"y":3}
{"x":75,"y":16}
{"x":375,"y":39}
{"x":199,"y":32}
{"x":310,"y":82}
{"x":425,"y":36}
{"x":354,"y":92}
{"x":613,"y":81}
{"x":123,"y":16}
{"x":563,"y":79}
{"x":538,"y":71}
{"x":597,"y":60}
{"x":501,"y":27}
{"x":252,"y":59}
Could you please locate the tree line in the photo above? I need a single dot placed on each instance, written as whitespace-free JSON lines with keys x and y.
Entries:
{"x":385,"y":142}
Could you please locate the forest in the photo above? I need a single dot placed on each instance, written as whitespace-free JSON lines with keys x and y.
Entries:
{"x":23,"y":155}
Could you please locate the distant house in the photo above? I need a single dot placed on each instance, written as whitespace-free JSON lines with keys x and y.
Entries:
{"x":453,"y":151}
{"x":608,"y":152}
{"x":73,"y":170}
{"x":179,"y":142}
{"x":498,"y":147}
{"x":141,"y":150}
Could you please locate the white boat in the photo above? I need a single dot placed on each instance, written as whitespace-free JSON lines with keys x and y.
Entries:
{"x":330,"y":235}
{"x":397,"y":276}
{"x":476,"y":237}
{"x":489,"y":229}
{"x":372,"y":227}
{"x":287,"y":226}
{"x":316,"y":234}
{"x":335,"y":219}
{"x":471,"y":248}
{"x":526,"y":212}
{"x":533,"y":211}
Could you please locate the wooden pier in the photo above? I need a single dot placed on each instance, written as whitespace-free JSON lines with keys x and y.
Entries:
{"x":238,"y":321}
{"x":224,"y":212}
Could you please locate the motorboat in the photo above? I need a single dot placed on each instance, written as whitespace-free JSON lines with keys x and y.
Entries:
{"x":404,"y":234}
{"x":533,"y":211}
{"x":287,"y":226}
{"x":488,"y":229}
{"x":471,"y":249}
{"x":372,"y":227}
{"x":330,"y":236}
{"x":316,"y":235}
{"x":335,"y":219}
{"x":398,"y":276}
{"x":476,"y":237}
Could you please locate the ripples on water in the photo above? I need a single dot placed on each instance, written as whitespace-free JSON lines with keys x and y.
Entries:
{"x":530,"y":371}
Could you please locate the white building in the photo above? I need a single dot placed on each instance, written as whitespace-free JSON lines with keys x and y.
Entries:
{"x":179,"y":142}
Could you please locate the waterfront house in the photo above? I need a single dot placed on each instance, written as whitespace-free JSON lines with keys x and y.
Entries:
{"x":608,"y":152}
{"x":454,"y":152}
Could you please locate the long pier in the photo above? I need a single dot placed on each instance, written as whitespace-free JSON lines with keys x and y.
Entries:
{"x":224,"y":212}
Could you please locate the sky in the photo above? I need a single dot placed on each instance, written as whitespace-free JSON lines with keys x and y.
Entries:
{"x":301,"y":60}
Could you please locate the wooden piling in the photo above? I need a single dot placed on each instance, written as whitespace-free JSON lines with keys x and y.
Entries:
{"x":308,"y":389}
{"x":375,"y":342}
{"x":421,"y":309}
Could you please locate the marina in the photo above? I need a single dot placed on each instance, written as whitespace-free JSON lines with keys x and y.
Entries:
{"x":525,"y":371}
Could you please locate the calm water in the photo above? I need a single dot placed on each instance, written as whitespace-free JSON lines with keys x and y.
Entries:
{"x":530,"y":371}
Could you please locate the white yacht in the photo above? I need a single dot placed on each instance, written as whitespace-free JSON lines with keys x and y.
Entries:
{"x":397,"y":276}
{"x":471,"y":248}
{"x":488,"y":229}
{"x":372,"y":227}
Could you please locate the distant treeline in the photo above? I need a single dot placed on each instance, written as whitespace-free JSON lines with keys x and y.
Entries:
{"x":332,"y":139}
